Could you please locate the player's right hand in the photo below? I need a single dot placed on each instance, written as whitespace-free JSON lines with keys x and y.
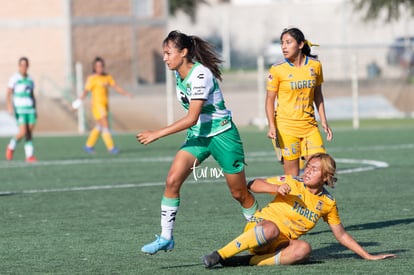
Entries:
{"x":284,"y":189}
{"x":271,"y":133}
{"x":147,"y":137}
{"x":10,"y":109}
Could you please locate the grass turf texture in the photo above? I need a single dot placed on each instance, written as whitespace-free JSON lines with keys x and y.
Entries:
{"x":102,"y":231}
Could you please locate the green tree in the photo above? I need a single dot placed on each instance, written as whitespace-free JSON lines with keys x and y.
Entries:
{"x":393,"y":8}
{"x":189,"y":7}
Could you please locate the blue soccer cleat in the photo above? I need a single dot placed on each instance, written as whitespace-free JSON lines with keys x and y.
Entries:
{"x":88,"y":149}
{"x":159,"y":244}
{"x":113,"y":151}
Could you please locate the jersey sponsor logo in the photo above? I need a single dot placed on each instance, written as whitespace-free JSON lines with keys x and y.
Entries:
{"x":198,"y":91}
{"x":200,"y":76}
{"x":305,"y":212}
{"x":302,"y":84}
{"x":270,"y":77}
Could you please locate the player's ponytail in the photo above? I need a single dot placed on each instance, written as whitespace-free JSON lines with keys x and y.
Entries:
{"x":205,"y":54}
{"x":198,"y":50}
{"x":300,"y":37}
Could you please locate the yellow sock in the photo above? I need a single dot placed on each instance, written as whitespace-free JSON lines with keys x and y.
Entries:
{"x":249,"y":239}
{"x":93,"y":137}
{"x":107,"y":138}
{"x":267,"y":259}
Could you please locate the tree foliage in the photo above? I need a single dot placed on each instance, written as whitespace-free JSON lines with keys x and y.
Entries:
{"x":393,"y":8}
{"x":189,"y":7}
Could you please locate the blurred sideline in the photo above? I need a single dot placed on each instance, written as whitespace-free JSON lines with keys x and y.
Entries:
{"x":378,"y":98}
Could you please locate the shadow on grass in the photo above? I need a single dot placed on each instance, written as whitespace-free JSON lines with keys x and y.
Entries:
{"x":372,"y":225}
{"x":335,"y":251}
{"x":182,"y":266}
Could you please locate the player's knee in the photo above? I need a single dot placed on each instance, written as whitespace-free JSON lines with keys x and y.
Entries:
{"x":302,"y":251}
{"x":28,"y":135}
{"x":238,"y":195}
{"x":172,"y":183}
{"x":271,"y":230}
{"x":241,"y":194}
{"x":22,"y":133}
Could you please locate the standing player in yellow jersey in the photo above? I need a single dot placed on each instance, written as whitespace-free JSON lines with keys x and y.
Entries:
{"x":272,"y":238}
{"x":296,"y":84}
{"x":98,"y":85}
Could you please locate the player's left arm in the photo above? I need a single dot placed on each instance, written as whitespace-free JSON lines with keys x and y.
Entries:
{"x":320,"y":105}
{"x":9,"y":100}
{"x":34,"y":100}
{"x":116,"y":87}
{"x":346,"y":240}
{"x":120,"y":90}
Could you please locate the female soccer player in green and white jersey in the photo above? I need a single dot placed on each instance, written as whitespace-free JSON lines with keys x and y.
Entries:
{"x":210,"y":130}
{"x":21,"y":101}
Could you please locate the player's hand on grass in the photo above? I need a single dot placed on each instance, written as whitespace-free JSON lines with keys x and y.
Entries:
{"x":147,"y":137}
{"x":380,"y":257}
{"x":283,"y":189}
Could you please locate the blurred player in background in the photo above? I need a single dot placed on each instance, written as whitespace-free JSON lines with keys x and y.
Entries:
{"x":98,"y":85}
{"x":210,"y":130}
{"x":21,"y":101}
{"x":272,"y":238}
{"x":296,"y":84}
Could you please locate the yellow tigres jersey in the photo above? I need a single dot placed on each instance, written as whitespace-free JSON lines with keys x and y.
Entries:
{"x":298,"y":212}
{"x":295,"y":88}
{"x":98,"y":86}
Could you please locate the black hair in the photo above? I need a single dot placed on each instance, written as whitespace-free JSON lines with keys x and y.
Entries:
{"x":299,"y":37}
{"x":25,"y":59}
{"x":198,"y":50}
{"x":96,"y":60}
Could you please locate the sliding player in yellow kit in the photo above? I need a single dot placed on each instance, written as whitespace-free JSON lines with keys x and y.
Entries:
{"x":296,"y":84}
{"x":272,"y":238}
{"x":98,"y":85}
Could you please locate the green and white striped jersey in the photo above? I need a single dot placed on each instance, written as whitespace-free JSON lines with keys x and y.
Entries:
{"x":200,"y":84}
{"x":23,"y":99}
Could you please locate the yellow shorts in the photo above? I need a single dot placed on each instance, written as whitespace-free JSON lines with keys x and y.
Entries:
{"x":99,"y":111}
{"x":294,"y":147}
{"x":270,"y":247}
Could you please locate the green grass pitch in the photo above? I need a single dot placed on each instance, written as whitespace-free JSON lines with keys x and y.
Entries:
{"x":72,"y":213}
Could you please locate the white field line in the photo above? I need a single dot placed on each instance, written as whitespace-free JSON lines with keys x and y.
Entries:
{"x":367,"y":165}
{"x":249,"y":157}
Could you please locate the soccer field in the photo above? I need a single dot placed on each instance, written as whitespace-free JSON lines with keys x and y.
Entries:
{"x":73,"y":213}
